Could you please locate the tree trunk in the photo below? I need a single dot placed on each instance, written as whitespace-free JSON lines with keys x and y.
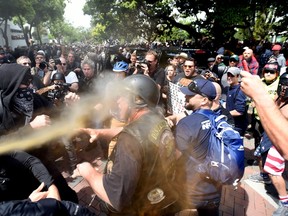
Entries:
{"x":5,"y":33}
{"x":39,"y":36}
{"x":24,"y":30}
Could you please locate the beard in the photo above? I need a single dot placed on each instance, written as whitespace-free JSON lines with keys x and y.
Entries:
{"x":188,"y":106}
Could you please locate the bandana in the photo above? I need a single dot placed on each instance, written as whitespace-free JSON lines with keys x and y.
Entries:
{"x":23,"y":103}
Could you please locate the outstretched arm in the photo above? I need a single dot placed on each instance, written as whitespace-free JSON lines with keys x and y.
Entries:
{"x":108,"y":133}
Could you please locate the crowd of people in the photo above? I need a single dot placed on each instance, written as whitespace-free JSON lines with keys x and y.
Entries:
{"x":147,"y":146}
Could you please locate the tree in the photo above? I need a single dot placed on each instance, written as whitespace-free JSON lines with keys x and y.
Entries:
{"x":199,"y":18}
{"x":39,"y":14}
{"x":8,"y":10}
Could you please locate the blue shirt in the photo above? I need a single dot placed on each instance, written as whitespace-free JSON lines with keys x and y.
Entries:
{"x":192,"y":139}
{"x":192,"y":135}
{"x":236,"y":100}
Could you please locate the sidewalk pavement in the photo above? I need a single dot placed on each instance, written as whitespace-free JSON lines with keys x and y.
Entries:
{"x":251,"y":199}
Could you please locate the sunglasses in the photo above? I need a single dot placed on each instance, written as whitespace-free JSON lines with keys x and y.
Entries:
{"x":233,"y":60}
{"x":188,"y":66}
{"x":26,"y":63}
{"x":194,"y":88}
{"x":269,"y":71}
{"x":64,"y":64}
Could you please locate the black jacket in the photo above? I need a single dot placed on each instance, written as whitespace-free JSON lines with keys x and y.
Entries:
{"x":44,"y":207}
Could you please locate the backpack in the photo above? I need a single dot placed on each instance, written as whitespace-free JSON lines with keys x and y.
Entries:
{"x":224,"y":163}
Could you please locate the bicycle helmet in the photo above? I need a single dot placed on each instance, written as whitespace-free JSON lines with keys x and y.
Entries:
{"x":143,"y":89}
{"x":120,"y":66}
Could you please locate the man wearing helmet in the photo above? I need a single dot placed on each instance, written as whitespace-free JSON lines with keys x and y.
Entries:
{"x":139,"y":170}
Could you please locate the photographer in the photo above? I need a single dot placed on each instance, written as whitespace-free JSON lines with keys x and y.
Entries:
{"x":70,"y":76}
{"x":57,"y":90}
{"x":150,"y":67}
{"x":41,"y":67}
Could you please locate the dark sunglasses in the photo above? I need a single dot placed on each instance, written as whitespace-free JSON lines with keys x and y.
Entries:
{"x":63,"y":64}
{"x":187,"y":66}
{"x":269,"y":71}
{"x":26,"y":63}
{"x":194,"y":88}
{"x":233,"y":60}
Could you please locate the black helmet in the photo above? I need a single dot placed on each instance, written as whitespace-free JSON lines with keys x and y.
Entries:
{"x":58,"y":76}
{"x":144,"y":89}
{"x":282,"y":89}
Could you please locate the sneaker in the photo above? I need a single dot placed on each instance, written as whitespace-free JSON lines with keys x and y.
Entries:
{"x":259,"y":179}
{"x":281,"y":211}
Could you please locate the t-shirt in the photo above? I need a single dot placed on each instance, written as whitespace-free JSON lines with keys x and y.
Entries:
{"x":192,"y":139}
{"x":121,"y":183}
{"x":159,"y":76}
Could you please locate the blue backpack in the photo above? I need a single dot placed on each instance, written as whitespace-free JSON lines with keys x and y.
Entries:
{"x":224,"y":162}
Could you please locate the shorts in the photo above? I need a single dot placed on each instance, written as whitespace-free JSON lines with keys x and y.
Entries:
{"x":275,"y":163}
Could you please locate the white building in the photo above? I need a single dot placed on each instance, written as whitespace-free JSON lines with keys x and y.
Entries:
{"x":15,"y":35}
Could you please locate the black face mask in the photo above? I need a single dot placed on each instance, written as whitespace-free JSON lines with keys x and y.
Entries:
{"x":22,"y":102}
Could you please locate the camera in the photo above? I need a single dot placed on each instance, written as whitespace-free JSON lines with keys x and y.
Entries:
{"x":43,"y":65}
{"x":59,"y":92}
{"x":141,"y":64}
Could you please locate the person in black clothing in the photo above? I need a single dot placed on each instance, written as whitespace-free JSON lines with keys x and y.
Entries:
{"x":17,"y":112}
{"x":87,"y":77}
{"x":3,"y":57}
{"x":22,"y":173}
{"x":152,"y":68}
{"x":47,"y":207}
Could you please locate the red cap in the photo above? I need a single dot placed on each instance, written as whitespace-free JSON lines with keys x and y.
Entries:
{"x":276,"y":47}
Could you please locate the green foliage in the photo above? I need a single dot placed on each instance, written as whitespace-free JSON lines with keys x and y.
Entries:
{"x":135,"y":20}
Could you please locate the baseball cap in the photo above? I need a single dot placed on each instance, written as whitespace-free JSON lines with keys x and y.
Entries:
{"x":203,"y":87}
{"x":276,"y":47}
{"x":234,"y":71}
{"x":183,"y":55}
{"x":235,"y":57}
{"x":211,"y":59}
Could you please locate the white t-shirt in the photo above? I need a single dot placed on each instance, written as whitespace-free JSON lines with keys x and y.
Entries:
{"x":69,"y":78}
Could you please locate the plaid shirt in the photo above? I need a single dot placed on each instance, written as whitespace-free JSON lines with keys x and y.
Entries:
{"x":253,"y":65}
